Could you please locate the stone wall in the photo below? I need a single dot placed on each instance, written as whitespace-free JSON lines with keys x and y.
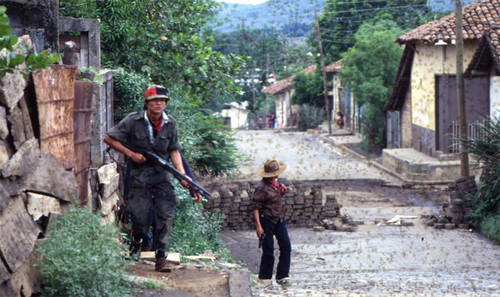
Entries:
{"x":35,"y":187}
{"x":306,"y":206}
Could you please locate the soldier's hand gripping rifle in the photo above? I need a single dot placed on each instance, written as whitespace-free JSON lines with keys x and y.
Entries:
{"x":176,"y":173}
{"x":151,"y":156}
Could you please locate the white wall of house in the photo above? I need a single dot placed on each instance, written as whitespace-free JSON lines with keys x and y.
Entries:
{"x":282,"y":104}
{"x":495,"y":97}
{"x":238,"y":114}
{"x":430,"y":60}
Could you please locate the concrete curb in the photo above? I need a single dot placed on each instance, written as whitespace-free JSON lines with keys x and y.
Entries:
{"x":239,"y":283}
{"x":406,"y":182}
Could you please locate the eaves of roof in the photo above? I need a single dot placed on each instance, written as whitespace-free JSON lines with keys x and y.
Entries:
{"x":287,"y":83}
{"x":478,"y":17}
{"x":487,"y":54}
{"x":333,"y":68}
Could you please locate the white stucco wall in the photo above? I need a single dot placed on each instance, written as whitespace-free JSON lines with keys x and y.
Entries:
{"x":282,"y":104}
{"x":238,"y":114}
{"x":430,"y":60}
{"x":495,"y":97}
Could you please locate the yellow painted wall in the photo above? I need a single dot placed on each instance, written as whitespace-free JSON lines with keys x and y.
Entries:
{"x":428,"y":61}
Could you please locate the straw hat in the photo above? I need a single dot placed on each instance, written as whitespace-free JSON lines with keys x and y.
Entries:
{"x":272,"y":168}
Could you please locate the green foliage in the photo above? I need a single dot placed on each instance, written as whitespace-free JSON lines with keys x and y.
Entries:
{"x":486,"y":204}
{"x":196,"y":231}
{"x":206,"y":143}
{"x":82,"y":257}
{"x":163,"y":40}
{"x":259,"y":45}
{"x":308,"y":89}
{"x":310,"y":117}
{"x":97,"y":77}
{"x":10,"y":60}
{"x":490,"y":226}
{"x":130,"y":87}
{"x":341,"y":19}
{"x":369,"y":70}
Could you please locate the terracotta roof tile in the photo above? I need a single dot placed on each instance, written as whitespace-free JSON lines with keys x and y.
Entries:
{"x":487,"y":53}
{"x":478,"y":17}
{"x":283,"y":84}
{"x":332,"y":68}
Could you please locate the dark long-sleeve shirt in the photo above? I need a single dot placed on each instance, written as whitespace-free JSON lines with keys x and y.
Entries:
{"x":268,"y":200}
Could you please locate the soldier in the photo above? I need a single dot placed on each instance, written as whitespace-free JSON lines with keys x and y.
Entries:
{"x":152,"y":194}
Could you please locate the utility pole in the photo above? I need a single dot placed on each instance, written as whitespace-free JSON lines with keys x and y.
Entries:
{"x":267,"y":84}
{"x":287,"y":81}
{"x":325,"y":88}
{"x":462,"y":120}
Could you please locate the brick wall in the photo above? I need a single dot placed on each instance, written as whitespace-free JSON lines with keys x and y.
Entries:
{"x":305,"y":204}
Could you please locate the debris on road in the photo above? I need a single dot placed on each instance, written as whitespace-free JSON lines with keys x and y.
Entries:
{"x":397,"y":221}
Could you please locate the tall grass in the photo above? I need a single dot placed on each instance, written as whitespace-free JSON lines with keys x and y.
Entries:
{"x":196,"y":231}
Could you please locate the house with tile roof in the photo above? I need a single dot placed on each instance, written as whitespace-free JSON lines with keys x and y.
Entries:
{"x":486,"y":63}
{"x":422,"y":109}
{"x":342,"y":98}
{"x":283,"y":91}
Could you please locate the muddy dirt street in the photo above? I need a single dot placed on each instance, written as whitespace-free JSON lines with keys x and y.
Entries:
{"x":306,"y":155}
{"x":411,"y":259}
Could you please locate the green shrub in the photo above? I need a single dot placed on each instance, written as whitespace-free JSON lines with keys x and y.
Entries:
{"x":207,"y":144}
{"x":486,"y":203}
{"x":490,"y":227}
{"x":82,"y":257}
{"x":196,"y":231}
{"x":310,"y":117}
{"x":130,"y":87}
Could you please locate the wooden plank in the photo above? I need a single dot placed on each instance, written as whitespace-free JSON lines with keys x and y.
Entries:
{"x":84,"y":94}
{"x":54,"y":89}
{"x":28,"y":127}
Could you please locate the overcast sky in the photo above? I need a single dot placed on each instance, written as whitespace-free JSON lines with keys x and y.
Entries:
{"x":244,"y":1}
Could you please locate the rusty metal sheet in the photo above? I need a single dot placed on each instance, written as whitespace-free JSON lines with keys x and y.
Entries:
{"x":54,"y":88}
{"x":84,"y":94}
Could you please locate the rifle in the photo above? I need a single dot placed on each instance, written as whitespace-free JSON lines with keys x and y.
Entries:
{"x":176,"y":173}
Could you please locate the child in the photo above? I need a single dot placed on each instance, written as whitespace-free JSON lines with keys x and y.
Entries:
{"x":268,"y":213}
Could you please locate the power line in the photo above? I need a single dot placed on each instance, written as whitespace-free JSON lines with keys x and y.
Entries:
{"x":374,"y":9}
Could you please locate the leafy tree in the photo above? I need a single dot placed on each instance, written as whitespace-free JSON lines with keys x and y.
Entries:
{"x":308,"y":89}
{"x":258,"y":46}
{"x":164,"y":40}
{"x":341,"y":19}
{"x":369,"y":70}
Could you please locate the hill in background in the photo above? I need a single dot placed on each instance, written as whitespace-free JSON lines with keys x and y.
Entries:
{"x":293,"y":17}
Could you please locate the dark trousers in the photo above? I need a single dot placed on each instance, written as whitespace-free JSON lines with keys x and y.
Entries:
{"x":279,"y":231}
{"x":149,"y":207}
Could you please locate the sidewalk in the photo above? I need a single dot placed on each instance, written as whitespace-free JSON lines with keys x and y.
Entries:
{"x":408,"y":165}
